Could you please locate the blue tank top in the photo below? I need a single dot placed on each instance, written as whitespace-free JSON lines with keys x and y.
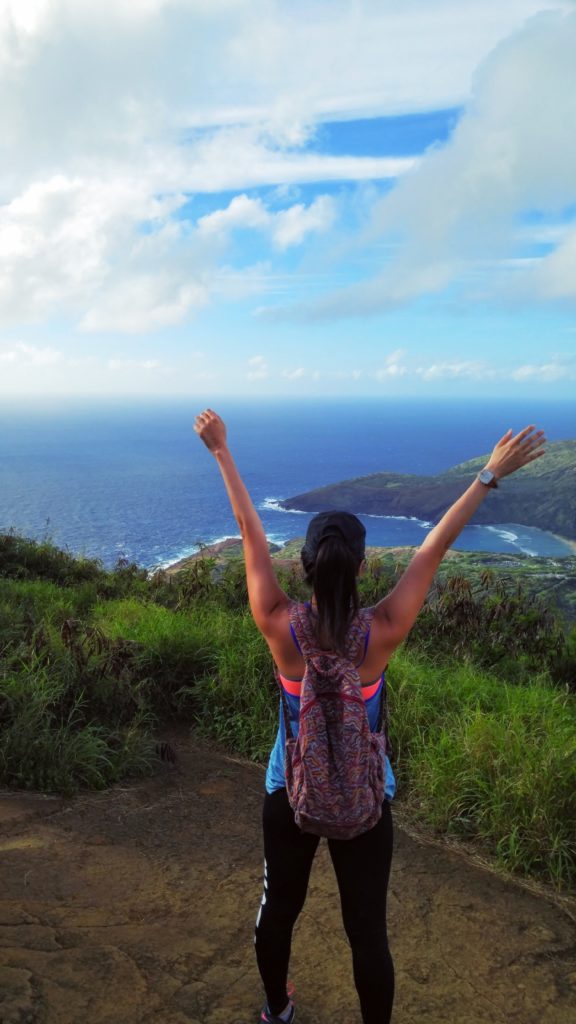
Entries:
{"x":275,"y":778}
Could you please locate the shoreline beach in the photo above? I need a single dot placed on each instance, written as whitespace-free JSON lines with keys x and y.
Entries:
{"x":231,"y":547}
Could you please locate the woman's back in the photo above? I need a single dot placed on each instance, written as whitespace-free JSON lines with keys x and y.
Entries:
{"x":359,"y":646}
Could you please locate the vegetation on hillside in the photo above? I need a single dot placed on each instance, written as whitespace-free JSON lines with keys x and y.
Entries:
{"x":482,"y":695}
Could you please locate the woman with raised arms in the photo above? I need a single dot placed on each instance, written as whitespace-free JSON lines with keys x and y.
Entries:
{"x":332,"y":557}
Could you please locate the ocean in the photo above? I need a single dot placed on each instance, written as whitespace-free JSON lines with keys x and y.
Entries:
{"x":130,"y":479}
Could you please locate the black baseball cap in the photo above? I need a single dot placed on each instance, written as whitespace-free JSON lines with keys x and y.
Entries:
{"x":333,"y":524}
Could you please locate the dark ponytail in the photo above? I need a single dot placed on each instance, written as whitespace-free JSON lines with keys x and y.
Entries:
{"x":333,"y":577}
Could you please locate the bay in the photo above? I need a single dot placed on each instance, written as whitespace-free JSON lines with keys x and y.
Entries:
{"x":131,"y":479}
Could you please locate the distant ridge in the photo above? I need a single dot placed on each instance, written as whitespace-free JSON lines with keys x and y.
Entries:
{"x":542,"y":494}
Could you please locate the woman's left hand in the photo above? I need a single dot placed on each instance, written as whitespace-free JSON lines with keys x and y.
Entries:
{"x":511,"y":453}
{"x":211,"y":430}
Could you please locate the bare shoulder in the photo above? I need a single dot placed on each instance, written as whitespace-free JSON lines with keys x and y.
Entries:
{"x":275,"y":625}
{"x":279,"y":639}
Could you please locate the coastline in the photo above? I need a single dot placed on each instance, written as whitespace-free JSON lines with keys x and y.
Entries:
{"x":565,"y":540}
{"x":231,"y":547}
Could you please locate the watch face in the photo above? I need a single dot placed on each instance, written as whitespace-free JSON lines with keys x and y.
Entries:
{"x":485,"y":476}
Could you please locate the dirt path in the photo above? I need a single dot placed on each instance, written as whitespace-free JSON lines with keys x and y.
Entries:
{"x":138,"y":905}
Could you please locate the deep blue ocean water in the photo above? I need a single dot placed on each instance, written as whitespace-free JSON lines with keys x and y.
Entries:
{"x":107,"y":478}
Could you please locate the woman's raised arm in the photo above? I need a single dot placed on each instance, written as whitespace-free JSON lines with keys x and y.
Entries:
{"x":266,"y":596}
{"x":397,"y":612}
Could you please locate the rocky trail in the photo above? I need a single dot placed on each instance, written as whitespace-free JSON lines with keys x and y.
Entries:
{"x":137,"y":905}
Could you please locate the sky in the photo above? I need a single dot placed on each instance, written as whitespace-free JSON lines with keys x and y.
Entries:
{"x":288,"y":198}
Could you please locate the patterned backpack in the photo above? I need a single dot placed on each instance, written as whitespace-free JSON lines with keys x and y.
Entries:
{"x":335,"y":772}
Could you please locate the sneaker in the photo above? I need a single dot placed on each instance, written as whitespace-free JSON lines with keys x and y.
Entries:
{"x":268,"y":1018}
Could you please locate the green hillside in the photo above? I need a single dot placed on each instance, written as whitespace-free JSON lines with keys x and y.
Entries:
{"x":93,"y":664}
{"x":542,"y":494}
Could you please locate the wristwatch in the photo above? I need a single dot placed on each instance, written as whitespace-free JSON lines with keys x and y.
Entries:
{"x":486,"y":477}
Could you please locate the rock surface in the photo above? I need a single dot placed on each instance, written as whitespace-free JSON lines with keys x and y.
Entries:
{"x":138,"y":905}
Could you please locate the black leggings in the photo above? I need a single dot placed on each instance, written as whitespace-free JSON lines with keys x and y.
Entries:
{"x":362,"y":867}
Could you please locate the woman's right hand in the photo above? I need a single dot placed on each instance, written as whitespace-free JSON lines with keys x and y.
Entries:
{"x":211,"y":429}
{"x":513,"y":452}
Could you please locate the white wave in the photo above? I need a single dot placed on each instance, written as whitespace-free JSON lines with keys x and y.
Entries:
{"x":407,"y":519}
{"x":515,"y":539}
{"x":275,"y":538}
{"x":273,"y":505}
{"x":512,"y":538}
{"x":280,"y":539}
{"x":192,"y":549}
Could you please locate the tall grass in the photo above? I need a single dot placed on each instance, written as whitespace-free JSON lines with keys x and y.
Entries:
{"x":481,"y":758}
{"x":48,"y":742}
{"x":170,"y":649}
{"x":236,"y":701}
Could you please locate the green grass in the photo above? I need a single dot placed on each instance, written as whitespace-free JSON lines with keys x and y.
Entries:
{"x":483,"y":759}
{"x":237,"y":700}
{"x":50,"y":740}
{"x":171,"y":649}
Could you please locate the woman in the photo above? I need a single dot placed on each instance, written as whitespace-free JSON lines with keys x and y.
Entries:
{"x":332,"y":556}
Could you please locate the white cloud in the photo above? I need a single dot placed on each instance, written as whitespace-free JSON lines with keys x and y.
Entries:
{"x":292,"y":225}
{"x":120,"y":74}
{"x":463,"y":370}
{"x":40,"y":356}
{"x":60,"y":241}
{"x":246,"y":157}
{"x":510,"y":152}
{"x":242,"y":212}
{"x":114,"y":113}
{"x":393,"y":366}
{"x":556,"y":369}
{"x":144,"y":302}
{"x":31,"y":355}
{"x":286,"y":227}
{"x":554,"y":277}
{"x":294,"y":374}
{"x":550,"y":372}
{"x":118,"y":258}
{"x":258,"y":368}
